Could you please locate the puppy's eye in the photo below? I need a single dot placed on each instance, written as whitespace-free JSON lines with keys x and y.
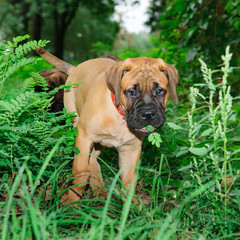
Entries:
{"x":132,"y":93}
{"x":124,"y":72}
{"x":160,"y":92}
{"x":165,"y":72}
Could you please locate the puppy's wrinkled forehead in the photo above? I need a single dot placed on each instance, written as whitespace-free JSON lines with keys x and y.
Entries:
{"x":144,"y":71}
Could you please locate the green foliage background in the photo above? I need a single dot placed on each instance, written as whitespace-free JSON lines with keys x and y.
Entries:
{"x":192,"y":181}
{"x":71,"y":25}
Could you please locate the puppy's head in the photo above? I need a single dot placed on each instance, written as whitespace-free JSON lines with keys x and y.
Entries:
{"x":141,"y":87}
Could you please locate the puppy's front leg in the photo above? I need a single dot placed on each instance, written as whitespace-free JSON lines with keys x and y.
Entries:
{"x":80,"y":169}
{"x":129,"y":156}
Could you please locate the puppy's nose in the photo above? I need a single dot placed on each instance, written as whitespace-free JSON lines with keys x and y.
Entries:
{"x":148,"y":114}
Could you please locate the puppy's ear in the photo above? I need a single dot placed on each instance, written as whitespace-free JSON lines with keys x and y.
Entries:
{"x":173,"y":81}
{"x":114,"y":76}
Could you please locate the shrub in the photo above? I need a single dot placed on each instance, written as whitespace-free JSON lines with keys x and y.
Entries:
{"x":28,"y":131}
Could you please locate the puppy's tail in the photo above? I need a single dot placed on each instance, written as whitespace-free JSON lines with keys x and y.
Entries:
{"x":58,"y":63}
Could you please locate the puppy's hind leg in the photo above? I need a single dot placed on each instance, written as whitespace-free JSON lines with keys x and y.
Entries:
{"x":96,"y":180}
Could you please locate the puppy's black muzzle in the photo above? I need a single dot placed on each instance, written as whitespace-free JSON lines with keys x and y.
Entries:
{"x":142,"y":115}
{"x":148,"y":114}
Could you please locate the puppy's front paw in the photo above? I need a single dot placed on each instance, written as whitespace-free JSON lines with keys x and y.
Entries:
{"x":100,"y":193}
{"x":72,"y":195}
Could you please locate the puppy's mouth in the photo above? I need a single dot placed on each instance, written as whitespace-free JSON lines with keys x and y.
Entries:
{"x":144,"y":131}
{"x":145,"y":119}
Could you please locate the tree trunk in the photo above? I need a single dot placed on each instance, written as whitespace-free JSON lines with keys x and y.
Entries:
{"x":61,"y":23}
{"x":25,"y":10}
{"x":59,"y":42}
{"x":37,"y":27}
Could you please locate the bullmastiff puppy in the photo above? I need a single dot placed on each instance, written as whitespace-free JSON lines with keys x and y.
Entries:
{"x":114,"y":102}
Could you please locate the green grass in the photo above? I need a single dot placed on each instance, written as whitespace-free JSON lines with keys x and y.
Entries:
{"x":192,"y":180}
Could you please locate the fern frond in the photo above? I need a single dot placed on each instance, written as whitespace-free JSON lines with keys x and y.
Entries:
{"x":41,"y":43}
{"x":39,"y":79}
{"x":12,"y":56}
{"x":4,"y":119}
{"x":21,"y":62}
{"x":5,"y":105}
{"x":26,"y":47}
{"x":15,"y":107}
{"x":2,"y":66}
{"x":20,"y":38}
{"x":11,"y":45}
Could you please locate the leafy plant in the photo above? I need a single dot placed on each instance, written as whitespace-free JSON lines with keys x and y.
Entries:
{"x":28,"y":131}
{"x":12,"y":56}
{"x":213,"y":149}
{"x":155,"y":139}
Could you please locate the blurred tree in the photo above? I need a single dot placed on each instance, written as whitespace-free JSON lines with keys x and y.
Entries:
{"x":63,"y":13}
{"x":205,"y":26}
{"x":20,"y":17}
{"x":155,"y":11}
{"x":85,"y":30}
{"x":196,"y":28}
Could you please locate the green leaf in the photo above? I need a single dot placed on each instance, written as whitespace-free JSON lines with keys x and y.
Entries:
{"x":196,"y":129}
{"x":199,"y":151}
{"x":76,"y":150}
{"x":185,"y":168}
{"x":5,"y":177}
{"x":180,"y":153}
{"x":237,"y":166}
{"x":150,"y":137}
{"x":149,"y":128}
{"x":206,"y":132}
{"x":174,"y":126}
{"x":155,"y":139}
